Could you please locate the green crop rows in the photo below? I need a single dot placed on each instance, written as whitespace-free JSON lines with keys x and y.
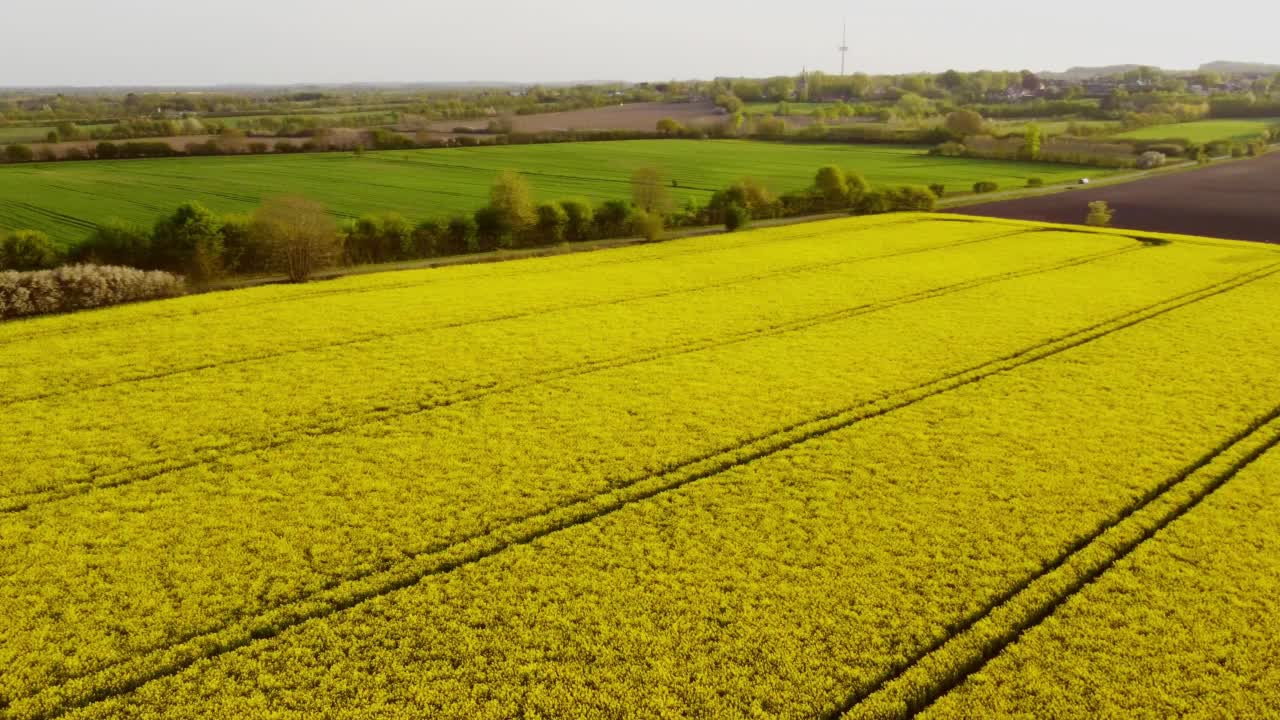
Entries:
{"x":1204,"y":131}
{"x":68,"y":199}
{"x":815,"y":471}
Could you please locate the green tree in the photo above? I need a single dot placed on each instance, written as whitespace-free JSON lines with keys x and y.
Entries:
{"x":670,"y":127}
{"x":1207,"y":79}
{"x":1032,"y":140}
{"x":771,"y":127}
{"x":551,"y":223}
{"x":362,"y":241}
{"x":190,"y":242}
{"x":736,"y":217}
{"x":951,"y":80}
{"x":578,"y":220}
{"x":611,"y":218}
{"x":912,"y":106}
{"x":511,"y":198}
{"x":397,"y":237}
{"x":648,"y":225}
{"x":19,"y":153}
{"x":747,"y":193}
{"x":833,"y":186}
{"x":965,"y":123}
{"x":730,"y":102}
{"x":429,"y":238}
{"x":115,"y":242}
{"x":858,"y":186}
{"x":25,"y":250}
{"x":460,"y":236}
{"x":493,"y":229}
{"x":1100,"y":214}
{"x":780,"y":88}
{"x":735,"y":123}
{"x":241,"y":251}
{"x":913,"y":198}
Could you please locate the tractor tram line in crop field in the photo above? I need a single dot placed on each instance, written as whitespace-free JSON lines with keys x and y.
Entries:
{"x":382,"y":414}
{"x":234,"y":301}
{"x":359,"y":417}
{"x":790,"y":270}
{"x":525,"y":445}
{"x":982,"y":637}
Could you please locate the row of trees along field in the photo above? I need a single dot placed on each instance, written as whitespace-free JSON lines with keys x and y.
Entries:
{"x":296,"y":237}
{"x":83,"y":106}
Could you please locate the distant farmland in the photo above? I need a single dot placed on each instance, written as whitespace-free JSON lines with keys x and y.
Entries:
{"x":68,"y":199}
{"x":842,"y":470}
{"x":1204,"y":131}
{"x":36,"y":134}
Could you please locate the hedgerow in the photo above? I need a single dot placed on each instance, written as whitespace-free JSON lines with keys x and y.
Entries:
{"x":80,"y":287}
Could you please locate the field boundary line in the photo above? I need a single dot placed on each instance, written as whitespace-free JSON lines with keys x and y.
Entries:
{"x":984,"y":635}
{"x":126,"y":476}
{"x":131,"y":674}
{"x":369,"y":338}
{"x":609,"y":260}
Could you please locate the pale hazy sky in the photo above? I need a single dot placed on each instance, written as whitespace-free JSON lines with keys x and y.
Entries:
{"x":130,"y":42}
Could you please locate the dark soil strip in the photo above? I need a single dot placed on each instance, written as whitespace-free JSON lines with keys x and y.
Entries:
{"x":59,"y":700}
{"x":1238,"y":200}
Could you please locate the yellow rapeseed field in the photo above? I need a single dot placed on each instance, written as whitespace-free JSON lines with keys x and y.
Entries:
{"x":860,"y":468}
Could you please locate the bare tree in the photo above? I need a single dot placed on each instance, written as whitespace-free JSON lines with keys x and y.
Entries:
{"x":649,"y":191}
{"x":299,"y":234}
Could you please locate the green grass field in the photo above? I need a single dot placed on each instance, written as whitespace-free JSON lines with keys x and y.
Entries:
{"x":68,"y":199}
{"x":794,"y":108}
{"x":1204,"y":131}
{"x":820,"y":471}
{"x":24,"y":135}
{"x":248,"y":120}
{"x":1048,"y":127}
{"x":10,"y":135}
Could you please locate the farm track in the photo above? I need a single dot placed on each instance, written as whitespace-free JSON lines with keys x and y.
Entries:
{"x":523,"y":272}
{"x":125,"y":677}
{"x":1064,"y":576}
{"x":369,"y":338}
{"x":127,"y":476}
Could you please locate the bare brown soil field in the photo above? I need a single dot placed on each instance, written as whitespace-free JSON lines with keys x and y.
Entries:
{"x":637,"y":116}
{"x":1237,"y":200}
